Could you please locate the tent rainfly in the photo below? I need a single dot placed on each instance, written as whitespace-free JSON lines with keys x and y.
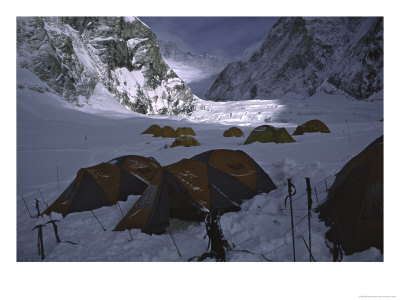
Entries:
{"x":354,"y":206}
{"x":105,"y":184}
{"x":186,"y":141}
{"x":269,"y":134}
{"x":166,"y":132}
{"x":311,"y":126}
{"x":233,"y":132}
{"x":153,"y":129}
{"x":190,"y":188}
{"x":185,"y":131}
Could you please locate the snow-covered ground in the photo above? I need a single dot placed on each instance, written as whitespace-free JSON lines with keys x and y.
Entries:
{"x":56,"y":139}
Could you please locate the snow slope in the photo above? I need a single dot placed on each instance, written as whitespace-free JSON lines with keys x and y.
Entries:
{"x":51,"y":148}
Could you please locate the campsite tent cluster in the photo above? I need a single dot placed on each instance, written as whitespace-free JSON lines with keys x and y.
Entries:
{"x":187,"y":189}
{"x":268,"y":133}
{"x":183,"y":135}
{"x":262,"y":134}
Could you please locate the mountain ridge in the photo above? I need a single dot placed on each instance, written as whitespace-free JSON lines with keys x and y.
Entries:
{"x":302,"y":56}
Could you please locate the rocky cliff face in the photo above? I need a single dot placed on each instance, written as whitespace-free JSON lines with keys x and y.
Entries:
{"x":301,"y":56}
{"x":73,"y":55}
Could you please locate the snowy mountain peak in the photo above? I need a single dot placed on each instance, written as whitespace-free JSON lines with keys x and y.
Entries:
{"x":75,"y":54}
{"x":301,"y":56}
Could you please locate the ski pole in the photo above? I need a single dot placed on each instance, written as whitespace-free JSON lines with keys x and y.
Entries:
{"x":291,"y":216}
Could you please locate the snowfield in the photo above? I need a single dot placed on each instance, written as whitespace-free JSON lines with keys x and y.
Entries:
{"x":55,"y":139}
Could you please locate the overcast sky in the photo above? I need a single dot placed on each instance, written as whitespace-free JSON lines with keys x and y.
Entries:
{"x":220,"y":36}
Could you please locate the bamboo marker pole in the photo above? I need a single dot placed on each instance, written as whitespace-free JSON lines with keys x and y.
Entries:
{"x":291,"y":217}
{"x":309,"y":204}
{"x":58,"y":182}
{"x":348,"y":131}
{"x":43,"y":198}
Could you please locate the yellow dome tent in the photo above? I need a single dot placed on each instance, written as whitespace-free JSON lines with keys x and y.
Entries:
{"x":233,"y":132}
{"x":312,"y":126}
{"x":186,"y":141}
{"x":269,"y":134}
{"x":153,"y":129}
{"x":185,"y":131}
{"x":166,"y":132}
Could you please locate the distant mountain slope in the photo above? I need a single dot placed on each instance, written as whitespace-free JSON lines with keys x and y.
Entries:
{"x":74,"y":55}
{"x":301,"y":56}
{"x":198,"y":71}
{"x":170,"y":51}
